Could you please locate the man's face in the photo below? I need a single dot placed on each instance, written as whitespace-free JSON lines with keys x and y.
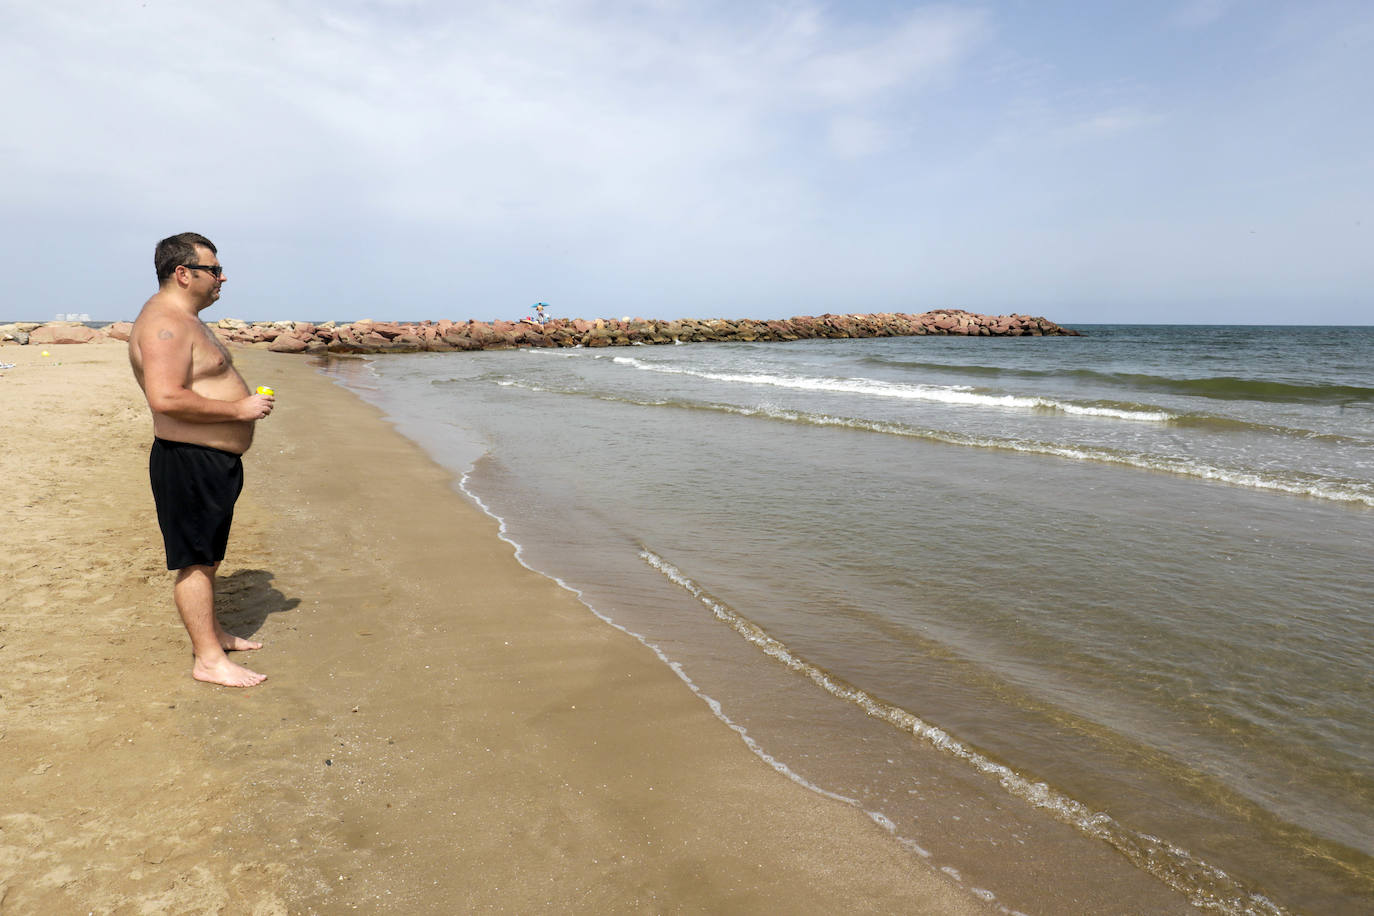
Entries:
{"x":203,"y":284}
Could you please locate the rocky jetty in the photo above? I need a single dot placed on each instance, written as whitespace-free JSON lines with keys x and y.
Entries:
{"x":368,"y":336}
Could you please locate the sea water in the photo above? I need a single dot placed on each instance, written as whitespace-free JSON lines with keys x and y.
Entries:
{"x":1123,"y":578}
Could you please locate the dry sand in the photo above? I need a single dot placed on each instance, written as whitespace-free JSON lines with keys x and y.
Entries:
{"x":443,"y":731}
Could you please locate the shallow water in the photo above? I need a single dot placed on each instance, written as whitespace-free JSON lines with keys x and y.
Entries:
{"x":1124,"y":576}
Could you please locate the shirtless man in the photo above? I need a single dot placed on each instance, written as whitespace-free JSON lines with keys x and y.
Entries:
{"x":203,"y":418}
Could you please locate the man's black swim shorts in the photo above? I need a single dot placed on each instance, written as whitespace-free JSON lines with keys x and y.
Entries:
{"x":195,"y":488}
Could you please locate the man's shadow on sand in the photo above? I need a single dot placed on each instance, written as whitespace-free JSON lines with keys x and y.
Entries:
{"x":244,"y":599}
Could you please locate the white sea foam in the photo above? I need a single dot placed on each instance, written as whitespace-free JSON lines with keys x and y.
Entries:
{"x":1340,"y":491}
{"x":1205,"y":885}
{"x":1316,"y":488}
{"x":961,"y":395}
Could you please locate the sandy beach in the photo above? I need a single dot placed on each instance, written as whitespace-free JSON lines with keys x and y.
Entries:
{"x":442,"y":730}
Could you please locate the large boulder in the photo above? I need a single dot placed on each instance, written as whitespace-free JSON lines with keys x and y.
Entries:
{"x":406,"y":343}
{"x":63,"y":334}
{"x":286,"y":343}
{"x":120,"y":330}
{"x":388,"y":329}
{"x":460,"y":341}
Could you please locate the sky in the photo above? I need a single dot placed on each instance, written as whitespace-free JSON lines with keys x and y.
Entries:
{"x":1181,"y":161}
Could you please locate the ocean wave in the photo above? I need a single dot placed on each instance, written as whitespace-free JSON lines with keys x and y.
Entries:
{"x":945,"y":394}
{"x":1235,"y":424}
{"x":1292,"y":483}
{"x":1219,"y":387}
{"x":1227,"y":387}
{"x":1197,"y":420}
{"x":1205,"y":885}
{"x":1295,"y":483}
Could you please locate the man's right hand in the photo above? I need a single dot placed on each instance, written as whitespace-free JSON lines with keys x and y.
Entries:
{"x":256,"y":406}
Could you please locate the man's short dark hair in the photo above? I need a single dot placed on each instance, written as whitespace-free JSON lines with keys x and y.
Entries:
{"x":177,"y":250}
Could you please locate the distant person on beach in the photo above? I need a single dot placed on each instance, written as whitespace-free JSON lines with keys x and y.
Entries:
{"x":203,"y":418}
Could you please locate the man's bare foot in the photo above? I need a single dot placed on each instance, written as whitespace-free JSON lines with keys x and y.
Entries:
{"x":226,"y":673}
{"x":230,"y":643}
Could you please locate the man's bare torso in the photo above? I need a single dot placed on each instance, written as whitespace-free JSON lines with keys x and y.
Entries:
{"x":210,"y":374}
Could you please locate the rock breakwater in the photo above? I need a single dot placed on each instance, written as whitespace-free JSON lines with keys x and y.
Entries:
{"x":368,"y":336}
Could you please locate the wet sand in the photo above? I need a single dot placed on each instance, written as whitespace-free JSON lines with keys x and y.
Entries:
{"x":442,"y":730}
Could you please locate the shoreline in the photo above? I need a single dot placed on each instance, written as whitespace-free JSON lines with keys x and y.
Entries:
{"x":963,"y":819}
{"x":442,"y":729}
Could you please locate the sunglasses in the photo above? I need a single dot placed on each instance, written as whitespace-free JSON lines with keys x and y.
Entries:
{"x":216,"y":270}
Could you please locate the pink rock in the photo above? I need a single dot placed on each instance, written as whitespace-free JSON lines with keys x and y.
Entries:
{"x":287,"y":343}
{"x":62,"y":334}
{"x":120,"y":330}
{"x":460,"y":341}
{"x":480,"y":332}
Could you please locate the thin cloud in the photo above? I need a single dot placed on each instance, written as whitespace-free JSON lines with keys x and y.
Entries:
{"x":1198,"y":14}
{"x":1110,"y":124}
{"x":923,"y":47}
{"x":854,"y":138}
